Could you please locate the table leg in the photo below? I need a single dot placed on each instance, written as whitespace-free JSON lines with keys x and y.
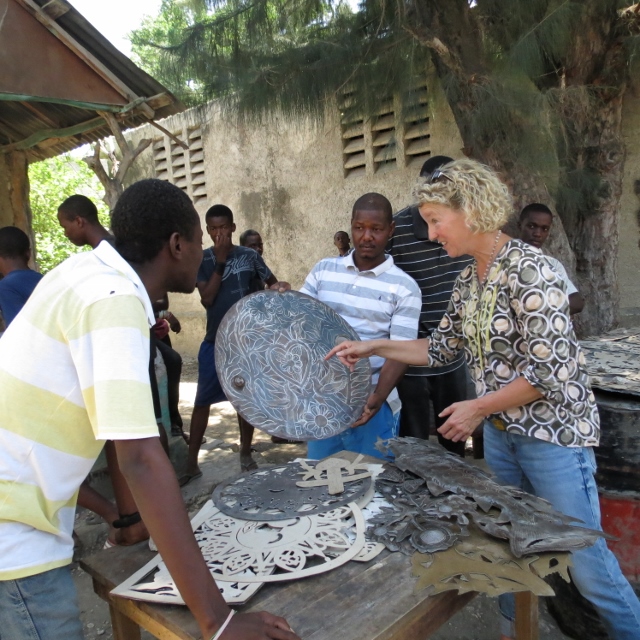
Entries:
{"x":123,"y":628}
{"x":526,"y":616}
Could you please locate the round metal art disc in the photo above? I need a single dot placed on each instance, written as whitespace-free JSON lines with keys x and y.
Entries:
{"x":271,"y":493}
{"x":270,"y":351}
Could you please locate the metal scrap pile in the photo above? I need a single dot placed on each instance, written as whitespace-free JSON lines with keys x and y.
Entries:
{"x":435,"y":495}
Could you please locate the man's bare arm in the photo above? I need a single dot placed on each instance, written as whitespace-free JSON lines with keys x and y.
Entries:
{"x":209,"y":290}
{"x":390,"y":374}
{"x":222,"y":247}
{"x":154,"y":486}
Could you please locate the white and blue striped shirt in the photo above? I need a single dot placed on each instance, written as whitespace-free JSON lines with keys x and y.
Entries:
{"x":380,"y":303}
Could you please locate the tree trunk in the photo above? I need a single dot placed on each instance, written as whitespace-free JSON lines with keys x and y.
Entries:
{"x":594,"y":234}
{"x":587,"y":243}
{"x":590,"y":84}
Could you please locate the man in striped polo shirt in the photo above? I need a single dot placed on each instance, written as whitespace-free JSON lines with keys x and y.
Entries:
{"x":379,"y":301}
{"x":435,"y":272}
{"x":74,"y":373}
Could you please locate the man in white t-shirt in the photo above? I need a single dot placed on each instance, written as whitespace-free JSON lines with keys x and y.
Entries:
{"x":74,"y":372}
{"x":535,"y":223}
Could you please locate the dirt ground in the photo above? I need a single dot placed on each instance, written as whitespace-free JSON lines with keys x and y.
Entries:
{"x":477,"y":621}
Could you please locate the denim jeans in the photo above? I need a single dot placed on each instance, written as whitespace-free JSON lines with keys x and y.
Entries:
{"x":362,"y":439}
{"x":40,"y":607}
{"x":565,"y":477}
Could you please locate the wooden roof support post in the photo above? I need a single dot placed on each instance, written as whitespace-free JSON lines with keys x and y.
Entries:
{"x":15,"y":209}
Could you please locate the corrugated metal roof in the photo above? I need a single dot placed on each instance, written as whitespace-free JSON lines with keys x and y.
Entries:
{"x":21,"y":118}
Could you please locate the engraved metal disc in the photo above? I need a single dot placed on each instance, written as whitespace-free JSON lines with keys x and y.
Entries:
{"x":271,"y":493}
{"x":270,"y":351}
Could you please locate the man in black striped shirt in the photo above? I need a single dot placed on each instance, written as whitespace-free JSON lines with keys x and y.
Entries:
{"x":435,"y":272}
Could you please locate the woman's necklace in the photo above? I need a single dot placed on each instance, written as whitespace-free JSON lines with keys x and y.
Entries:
{"x":486,"y":307}
{"x":491,"y":257}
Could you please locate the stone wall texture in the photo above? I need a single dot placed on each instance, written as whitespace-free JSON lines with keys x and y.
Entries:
{"x":629,"y":218}
{"x":285,"y":180}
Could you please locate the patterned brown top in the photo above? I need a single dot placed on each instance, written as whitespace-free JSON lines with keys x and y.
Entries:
{"x":518,"y":325}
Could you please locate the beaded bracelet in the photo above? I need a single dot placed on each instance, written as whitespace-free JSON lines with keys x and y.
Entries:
{"x":219,"y":632}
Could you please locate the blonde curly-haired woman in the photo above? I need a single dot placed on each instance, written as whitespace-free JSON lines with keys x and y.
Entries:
{"x":509,"y":311}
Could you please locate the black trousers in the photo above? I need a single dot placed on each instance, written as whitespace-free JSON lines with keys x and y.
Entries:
{"x":419,"y":393}
{"x":173,"y":363}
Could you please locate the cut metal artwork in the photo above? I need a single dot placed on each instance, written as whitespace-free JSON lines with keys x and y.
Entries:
{"x":440,"y":485}
{"x":371,"y":505}
{"x":407,"y":529}
{"x":329,"y":473}
{"x":153,"y":583}
{"x":612,"y":361}
{"x":243,"y":555}
{"x":272,"y":493}
{"x":487,"y":566}
{"x":280,"y":549}
{"x":270,"y":351}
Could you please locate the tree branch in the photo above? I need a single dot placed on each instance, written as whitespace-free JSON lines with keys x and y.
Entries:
{"x":95,"y":164}
{"x":114,"y":125}
{"x":129,"y":157}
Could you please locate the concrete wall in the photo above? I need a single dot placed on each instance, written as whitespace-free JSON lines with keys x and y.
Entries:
{"x":288,"y":182}
{"x":629,"y":218}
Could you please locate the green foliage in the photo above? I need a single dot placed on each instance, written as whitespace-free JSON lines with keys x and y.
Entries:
{"x":523,"y":77}
{"x":51,"y":182}
{"x":265,"y":54}
{"x":152,"y":42}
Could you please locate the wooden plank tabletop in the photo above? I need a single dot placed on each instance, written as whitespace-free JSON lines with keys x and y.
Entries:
{"x":357,"y":601}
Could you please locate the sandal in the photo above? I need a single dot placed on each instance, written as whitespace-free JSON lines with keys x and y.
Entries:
{"x":248,"y":464}
{"x":185,"y":479}
{"x":277,"y":440}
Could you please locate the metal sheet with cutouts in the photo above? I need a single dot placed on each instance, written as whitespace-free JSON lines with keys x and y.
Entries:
{"x":270,"y":351}
{"x":272,"y":493}
{"x":487,"y":566}
{"x":242,"y":556}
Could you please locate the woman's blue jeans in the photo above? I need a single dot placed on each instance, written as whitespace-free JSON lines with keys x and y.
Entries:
{"x":565,"y":477}
{"x":40,"y":607}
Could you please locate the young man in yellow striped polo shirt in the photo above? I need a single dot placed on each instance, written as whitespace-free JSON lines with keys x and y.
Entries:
{"x":74,"y":373}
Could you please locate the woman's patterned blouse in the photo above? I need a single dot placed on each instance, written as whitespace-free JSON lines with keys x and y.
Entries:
{"x":518,"y":325}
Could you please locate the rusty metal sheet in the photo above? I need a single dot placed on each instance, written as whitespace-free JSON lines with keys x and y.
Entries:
{"x":270,"y":351}
{"x":530,"y":524}
{"x":613,"y":361}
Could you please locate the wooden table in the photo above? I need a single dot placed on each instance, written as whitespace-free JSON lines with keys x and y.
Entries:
{"x":356,"y":601}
